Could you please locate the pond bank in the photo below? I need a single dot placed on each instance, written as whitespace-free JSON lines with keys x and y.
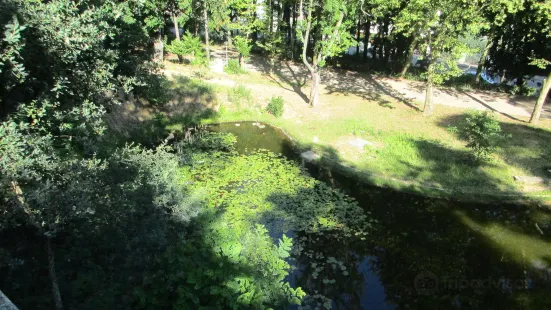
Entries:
{"x":334,"y":162}
{"x":426,"y":253}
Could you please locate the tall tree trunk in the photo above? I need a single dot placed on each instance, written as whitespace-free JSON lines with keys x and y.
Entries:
{"x":176,"y":28}
{"x":429,"y":104}
{"x":241,"y":61}
{"x":53,"y":277}
{"x":541,"y":100}
{"x":366,"y":38}
{"x":314,"y":90}
{"x":385,"y":48}
{"x":482,"y":61}
{"x":228,"y":37}
{"x":292,"y":31}
{"x":255,"y":32}
{"x":206,"y":20}
{"x":358,"y":34}
{"x":409,"y":56}
{"x":279,"y":16}
{"x":305,"y":40}
{"x":270,"y":16}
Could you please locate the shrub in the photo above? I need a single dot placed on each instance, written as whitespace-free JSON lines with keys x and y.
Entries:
{"x":205,"y":141}
{"x":482,"y":131}
{"x":275,"y":106}
{"x":240,"y":95}
{"x":233,"y":67}
{"x":243,"y":46}
{"x":189,"y":46}
{"x":523,"y":90}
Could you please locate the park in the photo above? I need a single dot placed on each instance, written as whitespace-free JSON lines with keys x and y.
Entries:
{"x":275,"y":154}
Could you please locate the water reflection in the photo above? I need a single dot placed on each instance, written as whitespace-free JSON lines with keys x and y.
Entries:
{"x":421,"y":253}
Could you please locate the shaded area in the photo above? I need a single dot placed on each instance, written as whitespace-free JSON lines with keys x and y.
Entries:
{"x":283,"y":71}
{"x":187,"y":102}
{"x":365,"y":86}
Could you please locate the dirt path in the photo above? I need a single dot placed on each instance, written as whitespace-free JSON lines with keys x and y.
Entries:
{"x":291,"y":80}
{"x":412,"y":93}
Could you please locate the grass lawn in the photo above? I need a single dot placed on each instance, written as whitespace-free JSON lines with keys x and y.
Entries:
{"x":409,"y":151}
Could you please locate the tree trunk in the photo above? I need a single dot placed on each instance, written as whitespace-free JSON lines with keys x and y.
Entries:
{"x":241,"y":61}
{"x":279,"y":16}
{"x":358,"y":34}
{"x":292,"y":30}
{"x":428,"y":108}
{"x":270,"y":16}
{"x":482,"y":61}
{"x":206,"y":20}
{"x":502,"y":78}
{"x":312,"y":68}
{"x":429,"y":105}
{"x":366,"y":38}
{"x":314,"y":90}
{"x":176,"y":28}
{"x":541,"y":100}
{"x":53,"y":277}
{"x":228,"y":38}
{"x":409,"y":57}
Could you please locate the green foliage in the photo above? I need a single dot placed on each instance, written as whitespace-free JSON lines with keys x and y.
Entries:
{"x":482,"y":131}
{"x":275,"y":106}
{"x":205,"y":141}
{"x":189,"y":46}
{"x":240,"y":95}
{"x":273,"y":44}
{"x":242,"y":45}
{"x":523,"y":90}
{"x":233,"y":67}
{"x":10,"y":57}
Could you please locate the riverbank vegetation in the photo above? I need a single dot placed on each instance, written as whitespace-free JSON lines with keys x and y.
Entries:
{"x":115,"y":195}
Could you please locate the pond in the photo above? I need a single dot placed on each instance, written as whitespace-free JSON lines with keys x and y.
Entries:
{"x":425,"y":253}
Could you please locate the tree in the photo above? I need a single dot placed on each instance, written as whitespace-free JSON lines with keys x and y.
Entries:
{"x":536,"y":113}
{"x":495,"y":13}
{"x":442,"y":24}
{"x":243,"y":46}
{"x":325,"y":23}
{"x":63,"y":61}
{"x":543,"y":17}
{"x":522,"y":37}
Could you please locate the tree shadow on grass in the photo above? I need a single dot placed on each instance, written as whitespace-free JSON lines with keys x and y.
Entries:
{"x":283,"y":73}
{"x":364,"y":86}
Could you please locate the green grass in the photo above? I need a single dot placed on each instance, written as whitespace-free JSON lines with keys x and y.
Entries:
{"x":240,"y":96}
{"x":415,"y":162}
{"x":411,"y":152}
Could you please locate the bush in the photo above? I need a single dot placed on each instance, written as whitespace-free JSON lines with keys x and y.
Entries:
{"x":189,"y":46}
{"x":206,"y":141}
{"x":240,"y":95}
{"x":233,"y":67}
{"x":242,"y":45}
{"x":523,"y":90}
{"x":482,"y":131}
{"x":275,"y":106}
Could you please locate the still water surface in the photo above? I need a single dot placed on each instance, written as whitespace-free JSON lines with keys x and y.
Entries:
{"x":426,"y":253}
